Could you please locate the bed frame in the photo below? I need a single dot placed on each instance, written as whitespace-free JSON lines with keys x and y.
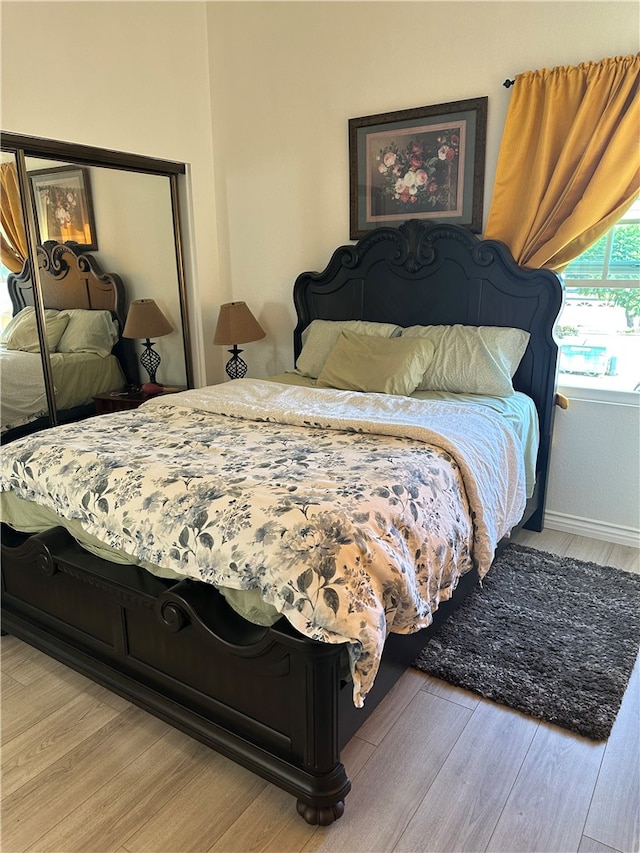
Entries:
{"x":71,"y":278}
{"x":275,"y":701}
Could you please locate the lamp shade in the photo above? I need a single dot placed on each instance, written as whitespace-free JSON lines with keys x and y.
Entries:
{"x":146,"y":320}
{"x":237,"y":325}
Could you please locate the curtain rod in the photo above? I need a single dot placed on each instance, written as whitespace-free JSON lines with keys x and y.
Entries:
{"x":508,"y":83}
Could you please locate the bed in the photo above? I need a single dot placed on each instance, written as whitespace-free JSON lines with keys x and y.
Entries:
{"x":84,"y":312}
{"x":284,"y":697}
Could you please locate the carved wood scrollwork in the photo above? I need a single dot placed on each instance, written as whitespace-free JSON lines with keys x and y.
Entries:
{"x":45,"y":563}
{"x":37,"y":550}
{"x":171,"y":614}
{"x":201,"y":606}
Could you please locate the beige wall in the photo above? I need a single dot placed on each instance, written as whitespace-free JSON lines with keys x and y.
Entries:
{"x":286,"y":77}
{"x":255,"y":97}
{"x":127,"y":76}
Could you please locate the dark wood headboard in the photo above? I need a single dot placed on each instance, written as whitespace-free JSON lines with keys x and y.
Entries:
{"x":72,"y":279}
{"x":425,"y":274}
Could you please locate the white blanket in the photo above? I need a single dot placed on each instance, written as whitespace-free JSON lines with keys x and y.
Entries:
{"x":22,"y":394}
{"x":77,"y":378}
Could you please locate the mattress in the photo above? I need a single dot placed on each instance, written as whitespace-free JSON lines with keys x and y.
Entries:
{"x":77,"y":378}
{"x":350,"y":514}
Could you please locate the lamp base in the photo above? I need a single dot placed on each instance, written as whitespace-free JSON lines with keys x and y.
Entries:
{"x":236,"y":367}
{"x":150,"y":360}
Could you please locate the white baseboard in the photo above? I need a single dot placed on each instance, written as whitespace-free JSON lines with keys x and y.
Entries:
{"x":593,"y":529}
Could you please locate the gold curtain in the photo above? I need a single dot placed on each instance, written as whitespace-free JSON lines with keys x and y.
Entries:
{"x":569,"y":161}
{"x":13,"y":240}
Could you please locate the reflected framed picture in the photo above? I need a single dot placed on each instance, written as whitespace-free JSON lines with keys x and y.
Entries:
{"x":422,"y":163}
{"x":63,"y":206}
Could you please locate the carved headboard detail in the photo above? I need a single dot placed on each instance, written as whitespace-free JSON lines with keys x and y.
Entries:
{"x":71,"y":279}
{"x":435,"y":274}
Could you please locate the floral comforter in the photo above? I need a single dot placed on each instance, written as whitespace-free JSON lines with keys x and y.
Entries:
{"x":352,"y":514}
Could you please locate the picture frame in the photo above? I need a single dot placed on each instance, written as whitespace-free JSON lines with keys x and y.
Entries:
{"x":421,"y":163}
{"x":63,"y":206}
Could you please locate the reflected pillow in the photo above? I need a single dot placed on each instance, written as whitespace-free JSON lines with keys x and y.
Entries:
{"x":21,"y":332}
{"x":368,"y":363}
{"x":471,"y":359}
{"x":89,"y":331}
{"x":320,"y":336}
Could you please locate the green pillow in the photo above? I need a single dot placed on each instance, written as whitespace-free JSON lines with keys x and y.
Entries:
{"x":471,"y":359}
{"x":22,"y":331}
{"x":320,"y":336}
{"x":374,"y":364}
{"x":89,"y":331}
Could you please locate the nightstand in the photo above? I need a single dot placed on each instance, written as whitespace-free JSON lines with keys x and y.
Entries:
{"x":120,"y":401}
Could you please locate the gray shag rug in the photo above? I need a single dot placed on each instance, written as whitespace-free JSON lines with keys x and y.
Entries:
{"x":553,"y":637}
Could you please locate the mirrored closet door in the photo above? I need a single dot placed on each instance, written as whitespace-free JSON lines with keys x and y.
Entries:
{"x":102,"y":229}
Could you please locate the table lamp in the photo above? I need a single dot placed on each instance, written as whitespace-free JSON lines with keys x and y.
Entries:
{"x":145,"y":321}
{"x":236,"y":325}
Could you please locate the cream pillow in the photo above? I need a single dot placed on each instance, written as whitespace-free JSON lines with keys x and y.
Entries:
{"x":89,"y":331}
{"x":21,"y":332}
{"x":368,"y":363}
{"x":471,"y":359}
{"x":320,"y":336}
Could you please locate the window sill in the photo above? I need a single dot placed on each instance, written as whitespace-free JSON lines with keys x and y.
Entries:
{"x":587,"y":394}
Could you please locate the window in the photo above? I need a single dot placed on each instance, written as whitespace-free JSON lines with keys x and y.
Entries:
{"x":599,"y":327}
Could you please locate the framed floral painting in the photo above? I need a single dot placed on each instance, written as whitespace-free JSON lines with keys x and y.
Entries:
{"x":422,"y":163}
{"x":63,"y":204}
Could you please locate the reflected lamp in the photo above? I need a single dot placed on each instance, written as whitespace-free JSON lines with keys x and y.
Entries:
{"x":145,"y":321}
{"x":236,"y":325}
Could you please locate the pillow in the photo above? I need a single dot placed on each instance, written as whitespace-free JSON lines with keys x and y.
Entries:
{"x":21,"y":332}
{"x":89,"y":331}
{"x":320,"y":336}
{"x":471,"y":359}
{"x":368,"y":363}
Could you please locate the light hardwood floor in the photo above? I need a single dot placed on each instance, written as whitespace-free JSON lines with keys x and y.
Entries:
{"x":434,"y":769}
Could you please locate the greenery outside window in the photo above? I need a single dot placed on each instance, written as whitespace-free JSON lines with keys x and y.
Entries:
{"x":598,"y":330}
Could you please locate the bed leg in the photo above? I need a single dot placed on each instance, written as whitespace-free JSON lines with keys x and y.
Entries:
{"x":320,"y":815}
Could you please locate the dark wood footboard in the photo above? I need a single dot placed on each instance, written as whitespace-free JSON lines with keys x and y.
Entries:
{"x":268,"y":698}
{"x":265,"y":697}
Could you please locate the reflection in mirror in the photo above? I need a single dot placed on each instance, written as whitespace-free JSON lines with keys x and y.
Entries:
{"x":90,"y":219}
{"x":23,"y":396}
{"x":133,"y":223}
{"x":84,"y":313}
